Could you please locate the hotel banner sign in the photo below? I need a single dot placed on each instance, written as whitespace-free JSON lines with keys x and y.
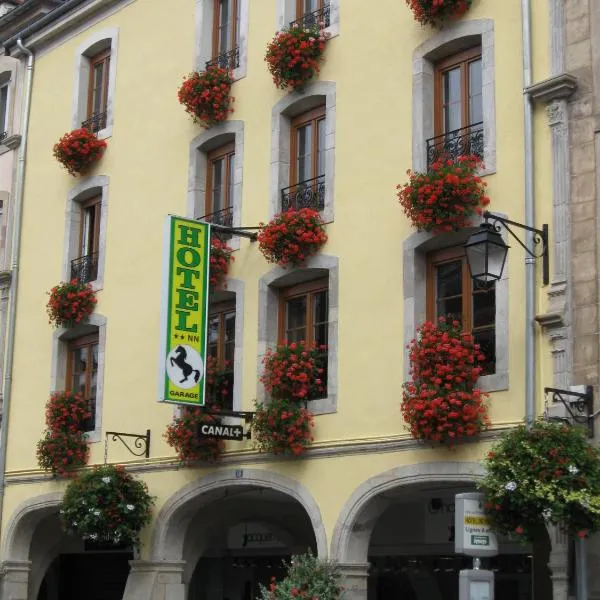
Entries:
{"x":184,"y":312}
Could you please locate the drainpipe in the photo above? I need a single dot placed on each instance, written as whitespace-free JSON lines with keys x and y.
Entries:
{"x":530,"y":295}
{"x":14,"y":268}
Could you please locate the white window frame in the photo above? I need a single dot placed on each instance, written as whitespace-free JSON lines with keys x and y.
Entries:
{"x":101,"y":40}
{"x":86,"y":189}
{"x":316,"y":267}
{"x":286,"y":13}
{"x":453,"y":38}
{"x":204,"y":35}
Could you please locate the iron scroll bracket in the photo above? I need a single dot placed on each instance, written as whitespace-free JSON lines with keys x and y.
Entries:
{"x":579,"y":405}
{"x":247,"y":232}
{"x":141,"y":442}
{"x":539,"y":239}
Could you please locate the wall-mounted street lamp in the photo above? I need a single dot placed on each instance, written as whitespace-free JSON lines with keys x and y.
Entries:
{"x":486,"y":250}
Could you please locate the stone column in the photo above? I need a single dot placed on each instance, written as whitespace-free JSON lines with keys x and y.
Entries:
{"x":354,"y":579}
{"x":155,"y":580}
{"x":559,"y":563}
{"x":14,"y":579}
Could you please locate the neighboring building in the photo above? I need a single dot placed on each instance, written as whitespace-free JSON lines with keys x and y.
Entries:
{"x":365,"y":493}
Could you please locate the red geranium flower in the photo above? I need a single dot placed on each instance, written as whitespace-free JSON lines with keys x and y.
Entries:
{"x":433,"y":12}
{"x":70,"y":303}
{"x":221,"y":257}
{"x":78,"y":150}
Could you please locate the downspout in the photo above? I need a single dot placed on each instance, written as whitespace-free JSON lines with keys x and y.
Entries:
{"x":14,"y":269}
{"x":530,"y":295}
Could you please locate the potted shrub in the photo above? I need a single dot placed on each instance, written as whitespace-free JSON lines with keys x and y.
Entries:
{"x":441,"y":402}
{"x":221,"y":257}
{"x":70,"y":303}
{"x":282,"y":426}
{"x":106,"y":505}
{"x":307,"y":578}
{"x":292,"y":236}
{"x":78,"y":150}
{"x":435,"y":12}
{"x":548,"y":473}
{"x":206,"y":95}
{"x":294,"y":371}
{"x":294,"y":54}
{"x":64,"y":445}
{"x":447,"y":197}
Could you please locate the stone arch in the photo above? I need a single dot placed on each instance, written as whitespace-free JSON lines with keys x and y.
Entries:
{"x":358,"y":517}
{"x":23,"y":522}
{"x":179,"y":510}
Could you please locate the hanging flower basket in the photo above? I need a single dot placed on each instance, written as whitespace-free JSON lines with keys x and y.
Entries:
{"x":206,"y":95}
{"x":78,"y":150}
{"x":70,"y":303}
{"x":307,"y":578}
{"x":64,"y":445}
{"x":547,"y":474}
{"x":107,"y":505}
{"x":446,"y":197}
{"x":294,"y":54}
{"x":295,"y":371}
{"x":292,"y":236}
{"x":221,"y":257}
{"x":434,"y":12}
{"x":282,"y":427}
{"x":441,"y":403}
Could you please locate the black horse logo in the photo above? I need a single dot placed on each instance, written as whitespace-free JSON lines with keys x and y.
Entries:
{"x":186,"y":368}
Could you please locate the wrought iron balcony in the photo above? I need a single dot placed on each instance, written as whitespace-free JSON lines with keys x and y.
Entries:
{"x":85,"y":268}
{"x":226,"y":60}
{"x":222,"y":217}
{"x":460,"y":142}
{"x":95,"y":123}
{"x":306,"y":194}
{"x":322,"y":15}
{"x":3,"y":136}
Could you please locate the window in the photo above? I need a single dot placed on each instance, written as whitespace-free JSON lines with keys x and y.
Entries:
{"x":3,"y":111}
{"x":221,"y":346}
{"x":82,"y":371}
{"x":312,"y":12}
{"x":84,"y":268}
{"x":307,"y":162}
{"x":220,"y":179}
{"x":225,"y":49}
{"x":451,"y":291}
{"x":458,"y":101}
{"x":98,"y":91}
{"x":304,"y":315}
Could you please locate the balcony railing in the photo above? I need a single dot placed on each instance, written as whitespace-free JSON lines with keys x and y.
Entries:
{"x":95,"y":123}
{"x":322,"y":15}
{"x":226,"y":60}
{"x":3,"y":136}
{"x":85,"y":268}
{"x":222,"y":217}
{"x":460,"y":142}
{"x":306,"y":194}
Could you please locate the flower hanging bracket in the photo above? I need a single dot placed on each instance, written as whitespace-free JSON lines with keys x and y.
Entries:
{"x":579,"y":406}
{"x":141,"y":442}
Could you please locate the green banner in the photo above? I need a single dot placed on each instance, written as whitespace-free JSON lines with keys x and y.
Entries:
{"x":184,"y":313}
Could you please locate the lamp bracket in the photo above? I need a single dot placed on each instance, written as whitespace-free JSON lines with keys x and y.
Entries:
{"x":246,"y":232}
{"x":539,"y":238}
{"x":579,"y":405}
{"x":141,"y":442}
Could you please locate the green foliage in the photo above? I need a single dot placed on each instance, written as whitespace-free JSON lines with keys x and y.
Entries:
{"x":547,"y":474}
{"x":308,"y":577}
{"x":106,"y":505}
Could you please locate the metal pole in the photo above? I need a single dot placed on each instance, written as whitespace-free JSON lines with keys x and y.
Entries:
{"x":581,"y":568}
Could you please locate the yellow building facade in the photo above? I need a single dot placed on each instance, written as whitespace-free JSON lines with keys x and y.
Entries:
{"x":365,"y":493}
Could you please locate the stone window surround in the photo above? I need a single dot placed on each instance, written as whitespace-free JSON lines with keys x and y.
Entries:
{"x":8,"y":76}
{"x":199,"y":148}
{"x":416,"y":248}
{"x":89,"y":187}
{"x":316,"y":267}
{"x":204,"y":35}
{"x":286,"y":13}
{"x":453,"y":38}
{"x":291,"y":105}
{"x":60,"y":338}
{"x":106,"y":38}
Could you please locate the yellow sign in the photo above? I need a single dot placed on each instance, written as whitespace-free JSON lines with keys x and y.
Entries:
{"x":476,"y":520}
{"x":184,"y":311}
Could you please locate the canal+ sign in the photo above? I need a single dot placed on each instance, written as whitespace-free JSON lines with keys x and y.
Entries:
{"x":184,"y":312}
